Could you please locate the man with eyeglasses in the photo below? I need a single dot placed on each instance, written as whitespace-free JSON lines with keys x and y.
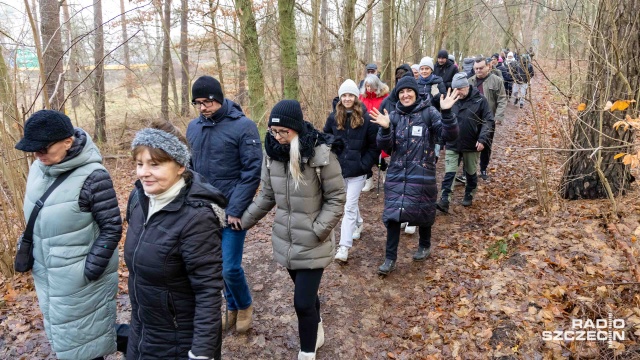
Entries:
{"x":226,"y":150}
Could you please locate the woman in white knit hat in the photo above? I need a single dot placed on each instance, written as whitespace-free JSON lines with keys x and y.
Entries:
{"x":351,"y":122}
{"x":430,"y":85}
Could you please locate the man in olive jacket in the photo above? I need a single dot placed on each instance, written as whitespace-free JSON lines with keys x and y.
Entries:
{"x":492,"y":88}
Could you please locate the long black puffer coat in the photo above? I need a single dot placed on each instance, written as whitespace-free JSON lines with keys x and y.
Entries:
{"x":360,"y":148}
{"x":175,"y":273}
{"x":410,"y":190}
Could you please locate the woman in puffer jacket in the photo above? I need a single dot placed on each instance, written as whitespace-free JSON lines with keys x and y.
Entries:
{"x":75,"y":237}
{"x":409,"y":134}
{"x":301,"y":177}
{"x":430,"y":85}
{"x":350,"y":122}
{"x":173,"y":252}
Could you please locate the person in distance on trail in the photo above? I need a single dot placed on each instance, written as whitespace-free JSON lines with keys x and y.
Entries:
{"x":173,"y":252}
{"x":445,"y":68}
{"x":227,"y":152}
{"x":416,"y":71}
{"x":493,"y":62}
{"x":492,"y":88}
{"x":522,"y":71}
{"x":506,"y":76}
{"x":370,"y":69}
{"x":372,"y":94}
{"x":350,"y":122}
{"x":75,"y":237}
{"x":430,"y":86}
{"x":301,"y":177}
{"x":409,"y":134}
{"x":475,"y":121}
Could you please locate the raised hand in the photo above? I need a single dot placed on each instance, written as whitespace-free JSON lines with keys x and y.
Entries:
{"x":447,"y":102}
{"x":380,"y":119}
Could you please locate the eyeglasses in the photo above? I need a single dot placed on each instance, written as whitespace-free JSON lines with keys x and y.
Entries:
{"x":206,"y":103}
{"x":45,"y":150}
{"x":274,"y":133}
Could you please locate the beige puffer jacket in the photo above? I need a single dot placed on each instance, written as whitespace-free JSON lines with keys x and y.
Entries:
{"x":302,"y":234}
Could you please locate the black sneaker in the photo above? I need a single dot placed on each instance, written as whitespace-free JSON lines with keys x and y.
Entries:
{"x":443,"y":206}
{"x":521,"y":105}
{"x":422,"y":253}
{"x":387,"y":267}
{"x":468,"y":200}
{"x":484,"y":175}
{"x":461,"y":178}
{"x":515,"y":102}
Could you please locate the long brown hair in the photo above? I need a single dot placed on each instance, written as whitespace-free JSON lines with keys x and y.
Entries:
{"x":357,"y":117}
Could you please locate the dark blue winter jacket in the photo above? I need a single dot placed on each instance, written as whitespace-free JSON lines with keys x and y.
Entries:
{"x":227,"y":152}
{"x":360,"y":149}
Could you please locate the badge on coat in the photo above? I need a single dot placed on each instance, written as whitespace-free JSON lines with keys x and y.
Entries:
{"x":416,"y":131}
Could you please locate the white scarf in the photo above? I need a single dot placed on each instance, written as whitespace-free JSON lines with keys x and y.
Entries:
{"x":157,"y":202}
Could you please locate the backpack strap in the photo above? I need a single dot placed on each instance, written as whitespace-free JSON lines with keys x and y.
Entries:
{"x":28,"y":231}
{"x":133,"y":201}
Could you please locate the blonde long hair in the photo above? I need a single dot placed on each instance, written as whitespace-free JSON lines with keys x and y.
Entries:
{"x":294,"y":162}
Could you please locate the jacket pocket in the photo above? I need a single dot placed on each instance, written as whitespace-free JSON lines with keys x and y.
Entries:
{"x":172,"y":309}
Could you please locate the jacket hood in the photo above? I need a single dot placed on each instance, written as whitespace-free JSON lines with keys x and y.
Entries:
{"x":83,"y":151}
{"x":405,"y":67}
{"x":201,"y":191}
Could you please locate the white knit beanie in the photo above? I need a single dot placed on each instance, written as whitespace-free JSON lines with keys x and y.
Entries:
{"x":349,"y":87}
{"x":415,"y":67}
{"x":427,"y":61}
{"x":510,"y":57}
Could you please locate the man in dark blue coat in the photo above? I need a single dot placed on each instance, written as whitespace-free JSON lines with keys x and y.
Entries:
{"x":225,"y":146}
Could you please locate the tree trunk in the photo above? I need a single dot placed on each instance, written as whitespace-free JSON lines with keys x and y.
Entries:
{"x":184,"y":58}
{"x":100,"y":133}
{"x":166,"y":61}
{"x":444,"y":15}
{"x":288,"y":48}
{"x":324,"y":11}
{"x":347,"y":70}
{"x":368,"y":43}
{"x":128,"y":77}
{"x":213,"y":11}
{"x":254,"y":60}
{"x":613,"y":62}
{"x":72,"y":74}
{"x":387,"y":32}
{"x":419,"y":11}
{"x":52,"y":54}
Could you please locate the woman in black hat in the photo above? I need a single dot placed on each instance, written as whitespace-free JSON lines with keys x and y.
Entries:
{"x":75,"y":237}
{"x":409,"y":135}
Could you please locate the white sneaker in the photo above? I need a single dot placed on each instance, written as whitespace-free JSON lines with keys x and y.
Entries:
{"x":342,"y":254}
{"x":368,"y":184}
{"x":306,"y":356}
{"x":403,"y":225}
{"x":410,"y":230}
{"x":358,"y":231}
{"x":320,"y":336}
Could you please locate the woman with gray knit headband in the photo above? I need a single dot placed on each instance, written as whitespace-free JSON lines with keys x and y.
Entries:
{"x":173,"y":252}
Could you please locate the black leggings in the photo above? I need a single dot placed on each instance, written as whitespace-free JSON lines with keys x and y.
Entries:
{"x":307,"y":305}
{"x":393,"y":238}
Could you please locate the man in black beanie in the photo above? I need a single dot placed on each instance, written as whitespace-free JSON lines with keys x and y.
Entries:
{"x":226,"y":149}
{"x":445,"y":68}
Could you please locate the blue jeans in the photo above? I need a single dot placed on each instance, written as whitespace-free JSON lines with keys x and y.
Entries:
{"x":235,"y":284}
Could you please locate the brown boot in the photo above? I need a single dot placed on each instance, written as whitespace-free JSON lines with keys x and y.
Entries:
{"x":231,"y":316}
{"x":245,"y":318}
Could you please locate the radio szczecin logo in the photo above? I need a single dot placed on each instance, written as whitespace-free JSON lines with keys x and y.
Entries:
{"x":608,"y":330}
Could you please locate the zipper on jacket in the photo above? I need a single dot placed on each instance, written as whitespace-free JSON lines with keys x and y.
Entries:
{"x":172,"y":310}
{"x":135,"y":286}
{"x":286,"y":171}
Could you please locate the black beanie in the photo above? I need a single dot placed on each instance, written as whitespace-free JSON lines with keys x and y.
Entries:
{"x":406,"y":82}
{"x":443,"y":54}
{"x":287,"y":113}
{"x":43,"y":128}
{"x":207,"y":87}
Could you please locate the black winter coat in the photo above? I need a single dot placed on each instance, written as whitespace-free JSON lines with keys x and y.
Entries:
{"x":175,"y":273}
{"x":475,"y":121}
{"x":425,"y":89}
{"x":521,"y":73}
{"x":360,"y":148}
{"x":410,"y":189}
{"x":446,"y":72}
{"x":506,"y":75}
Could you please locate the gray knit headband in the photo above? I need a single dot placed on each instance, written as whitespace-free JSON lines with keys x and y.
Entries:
{"x":164,"y":141}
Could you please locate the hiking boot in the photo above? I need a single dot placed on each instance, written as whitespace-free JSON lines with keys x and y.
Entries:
{"x":461,"y":178}
{"x":229,"y":319}
{"x":515,"y":102}
{"x":484,"y":175}
{"x":468,"y":200}
{"x":410,"y":230}
{"x":443,"y":206}
{"x":245,"y":319}
{"x":387,"y":267}
{"x":368,"y":184}
{"x":358,"y":231}
{"x":342,"y":254}
{"x":422,"y":253}
{"x":521,"y":104}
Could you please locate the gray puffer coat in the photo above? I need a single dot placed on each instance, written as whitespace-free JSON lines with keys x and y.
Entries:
{"x":302,"y":234}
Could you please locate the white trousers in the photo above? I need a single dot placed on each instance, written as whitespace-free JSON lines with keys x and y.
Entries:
{"x":522,"y":88}
{"x":353,"y":187}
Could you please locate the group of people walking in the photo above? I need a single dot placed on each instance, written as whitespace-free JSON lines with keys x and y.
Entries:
{"x":193,"y":202}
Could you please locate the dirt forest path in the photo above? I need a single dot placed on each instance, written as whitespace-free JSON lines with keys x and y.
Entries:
{"x":500,"y":274}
